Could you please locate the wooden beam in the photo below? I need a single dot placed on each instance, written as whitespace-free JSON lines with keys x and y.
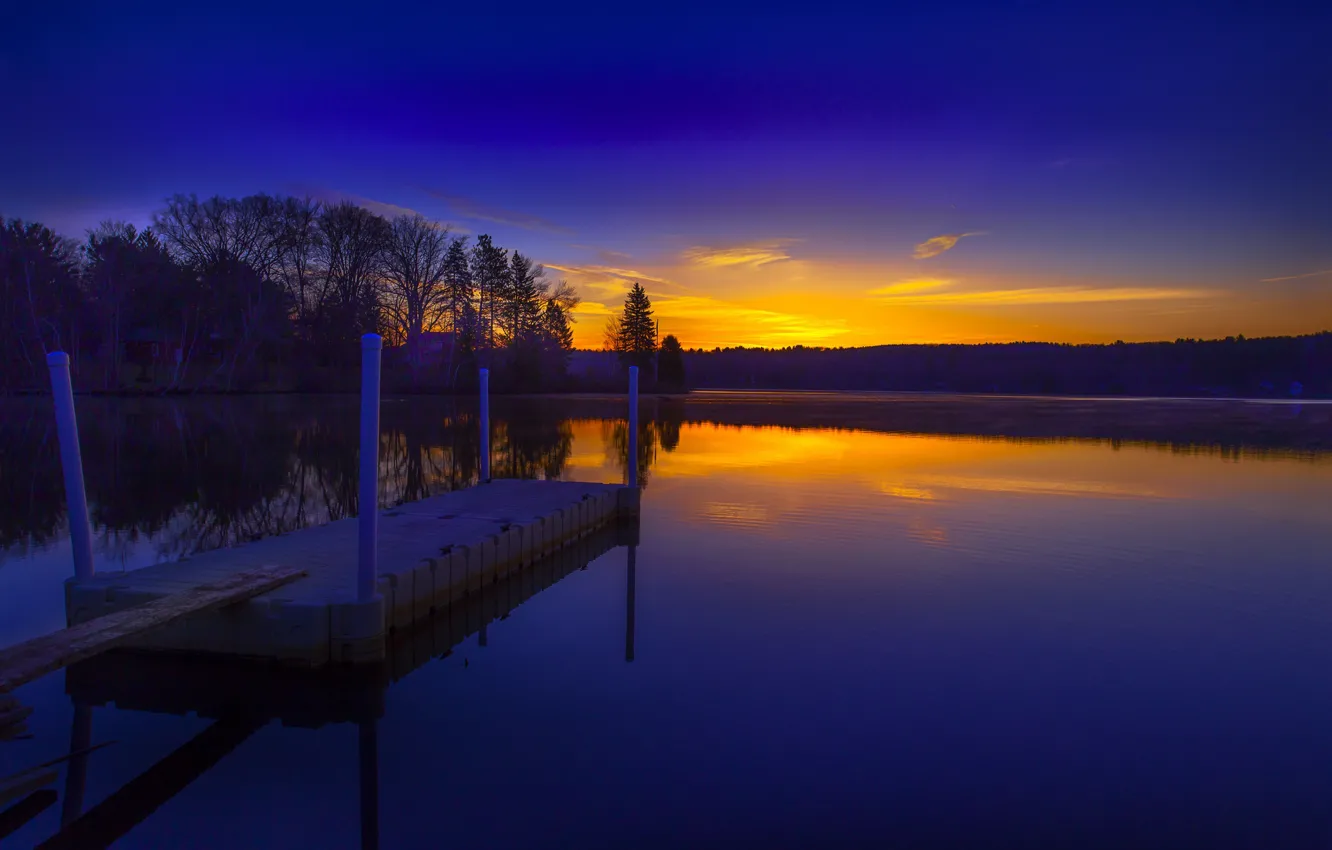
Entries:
{"x":24,"y":662}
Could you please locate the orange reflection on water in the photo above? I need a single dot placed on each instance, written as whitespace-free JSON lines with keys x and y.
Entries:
{"x":777,"y":479}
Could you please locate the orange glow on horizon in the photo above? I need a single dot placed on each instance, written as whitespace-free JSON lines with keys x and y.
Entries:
{"x":756,"y":295}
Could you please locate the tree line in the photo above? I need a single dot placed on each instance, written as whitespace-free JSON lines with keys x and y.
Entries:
{"x":1269,"y":367}
{"x":223,"y":293}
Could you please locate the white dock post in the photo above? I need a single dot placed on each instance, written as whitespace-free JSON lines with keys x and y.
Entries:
{"x":633,"y":426}
{"x":485,"y":426}
{"x":67,"y":431}
{"x":368,"y":497}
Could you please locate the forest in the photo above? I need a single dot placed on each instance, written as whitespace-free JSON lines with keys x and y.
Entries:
{"x":267,"y":292}
{"x":1271,"y":367}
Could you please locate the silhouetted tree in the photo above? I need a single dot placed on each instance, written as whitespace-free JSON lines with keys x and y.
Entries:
{"x":301,"y":247}
{"x":636,"y":335}
{"x":40,"y":300}
{"x":490,"y":276}
{"x":415,"y":294}
{"x":354,"y":242}
{"x":522,"y":296}
{"x":670,"y":365}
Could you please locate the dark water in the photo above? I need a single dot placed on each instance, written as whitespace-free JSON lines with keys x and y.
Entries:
{"x":854,"y":621}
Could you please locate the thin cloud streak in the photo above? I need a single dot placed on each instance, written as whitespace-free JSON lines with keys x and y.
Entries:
{"x":470,"y":209}
{"x":936,"y":245}
{"x":380,"y":208}
{"x":914,"y":286}
{"x":1040,"y":296}
{"x":753,"y":254}
{"x":606,"y":254}
{"x":629,"y":275}
{"x":1296,"y":276}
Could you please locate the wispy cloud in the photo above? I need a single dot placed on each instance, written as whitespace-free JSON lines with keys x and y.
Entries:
{"x":333,"y":196}
{"x":613,"y":279}
{"x":915,"y":286}
{"x":605,"y":254}
{"x":1296,"y":276}
{"x":593,"y":309}
{"x":753,"y":254}
{"x":762,"y":327}
{"x":606,"y":281}
{"x":928,"y":292}
{"x":471,"y":209}
{"x":936,"y":245}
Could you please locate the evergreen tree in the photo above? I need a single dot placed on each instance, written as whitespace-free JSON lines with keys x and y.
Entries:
{"x":490,"y":275}
{"x":522,"y":300}
{"x":457,"y":282}
{"x":556,"y":325}
{"x":637,"y":333}
{"x":458,"y":291}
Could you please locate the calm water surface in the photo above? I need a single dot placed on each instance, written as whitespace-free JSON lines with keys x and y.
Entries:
{"x":901,"y":622}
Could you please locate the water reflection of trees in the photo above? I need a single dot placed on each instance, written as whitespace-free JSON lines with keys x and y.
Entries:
{"x":169,"y":477}
{"x":189,"y":475}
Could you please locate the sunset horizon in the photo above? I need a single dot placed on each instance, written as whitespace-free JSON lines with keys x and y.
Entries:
{"x":1063,"y":175}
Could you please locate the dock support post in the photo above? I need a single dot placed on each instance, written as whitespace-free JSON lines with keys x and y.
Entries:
{"x":67,"y":430}
{"x":485,"y":426}
{"x":633,"y":426}
{"x":368,"y":497}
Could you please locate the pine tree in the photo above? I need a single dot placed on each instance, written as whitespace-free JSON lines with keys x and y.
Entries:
{"x":556,"y":326}
{"x":522,"y":299}
{"x":457,"y":281}
{"x":637,"y":332}
{"x":490,"y":275}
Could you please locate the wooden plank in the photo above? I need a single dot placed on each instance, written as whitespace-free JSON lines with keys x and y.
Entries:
{"x":24,"y":662}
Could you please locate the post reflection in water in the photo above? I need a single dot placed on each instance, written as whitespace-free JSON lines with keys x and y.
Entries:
{"x":629,"y":607}
{"x":369,"y":783}
{"x":242,"y":697}
{"x":76,"y":772}
{"x":928,"y":530}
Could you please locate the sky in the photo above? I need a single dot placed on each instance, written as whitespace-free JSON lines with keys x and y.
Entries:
{"x":1073,"y":172}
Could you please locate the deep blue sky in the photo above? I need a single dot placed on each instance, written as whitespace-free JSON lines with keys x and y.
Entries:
{"x":1130,"y":172}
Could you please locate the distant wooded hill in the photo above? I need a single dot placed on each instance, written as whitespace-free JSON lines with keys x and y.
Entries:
{"x":1271,"y":367}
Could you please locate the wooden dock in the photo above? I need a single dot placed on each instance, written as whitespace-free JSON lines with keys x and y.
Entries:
{"x":431,"y":554}
{"x":217,"y":687}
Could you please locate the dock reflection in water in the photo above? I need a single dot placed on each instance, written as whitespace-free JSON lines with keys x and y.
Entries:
{"x":936,"y":622}
{"x":241,"y":698}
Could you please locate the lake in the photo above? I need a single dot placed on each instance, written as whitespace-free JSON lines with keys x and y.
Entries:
{"x":850,"y":620}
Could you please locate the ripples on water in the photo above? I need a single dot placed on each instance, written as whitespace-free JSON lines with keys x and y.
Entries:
{"x":870,"y":620}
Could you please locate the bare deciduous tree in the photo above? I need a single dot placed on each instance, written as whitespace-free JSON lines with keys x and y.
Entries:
{"x":415,"y":294}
